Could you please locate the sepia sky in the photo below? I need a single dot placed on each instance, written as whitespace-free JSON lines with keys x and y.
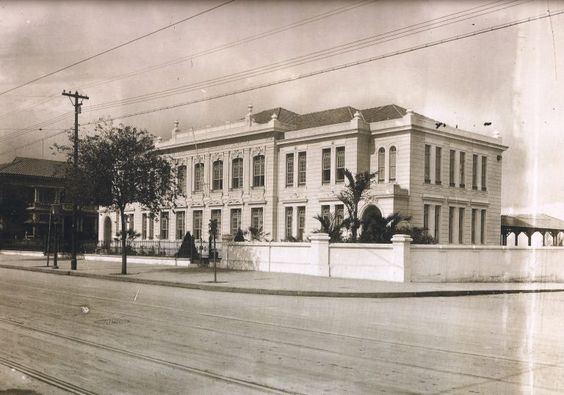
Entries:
{"x":512,"y":77}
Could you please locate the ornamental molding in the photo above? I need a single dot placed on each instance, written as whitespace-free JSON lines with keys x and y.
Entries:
{"x":258,"y":151}
{"x":238,"y":153}
{"x":235,"y":202}
{"x":217,"y":156}
{"x":198,"y":158}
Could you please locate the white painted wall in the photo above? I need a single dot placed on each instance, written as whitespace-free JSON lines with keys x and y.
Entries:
{"x":368,"y":261}
{"x":485,"y":264}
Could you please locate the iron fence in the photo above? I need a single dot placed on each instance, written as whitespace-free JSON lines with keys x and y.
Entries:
{"x":154,"y":248}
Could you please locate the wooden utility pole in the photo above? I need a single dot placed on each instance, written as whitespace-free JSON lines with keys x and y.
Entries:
{"x":77,"y":106}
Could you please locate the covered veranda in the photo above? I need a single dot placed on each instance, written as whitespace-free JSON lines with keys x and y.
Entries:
{"x":533,"y":230}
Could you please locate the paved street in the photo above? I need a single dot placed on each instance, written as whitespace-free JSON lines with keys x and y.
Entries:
{"x":68,"y":334}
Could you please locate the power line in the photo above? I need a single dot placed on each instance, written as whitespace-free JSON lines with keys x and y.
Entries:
{"x":334,"y":68}
{"x":343,"y":66}
{"x":222,"y":47}
{"x":318,"y":55}
{"x":296,"y":61}
{"x":117,"y":47}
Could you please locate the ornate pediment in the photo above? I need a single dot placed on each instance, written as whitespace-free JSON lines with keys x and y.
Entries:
{"x":238,"y":153}
{"x":217,"y":156}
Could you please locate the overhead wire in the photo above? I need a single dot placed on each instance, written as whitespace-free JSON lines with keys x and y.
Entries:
{"x":336,"y":68}
{"x":318,"y":55}
{"x":117,"y":47}
{"x":293,"y":62}
{"x":245,"y":40}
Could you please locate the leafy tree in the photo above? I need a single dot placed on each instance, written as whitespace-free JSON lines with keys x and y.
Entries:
{"x":331,"y":225}
{"x":356,"y":189}
{"x":118,"y":166}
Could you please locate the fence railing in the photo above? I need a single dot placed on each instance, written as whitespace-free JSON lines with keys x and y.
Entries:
{"x":82,"y":246}
{"x":154,"y":247}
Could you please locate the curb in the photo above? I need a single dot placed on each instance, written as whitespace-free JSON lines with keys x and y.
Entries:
{"x":284,"y":292}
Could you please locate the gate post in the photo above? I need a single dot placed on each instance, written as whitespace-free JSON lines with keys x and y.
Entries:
{"x":402,"y":257}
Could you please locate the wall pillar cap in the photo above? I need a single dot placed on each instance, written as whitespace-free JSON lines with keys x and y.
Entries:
{"x":319,"y":237}
{"x":401,"y":238}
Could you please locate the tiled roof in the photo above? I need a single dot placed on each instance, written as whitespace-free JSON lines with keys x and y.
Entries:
{"x":329,"y":117}
{"x":33,"y":167}
{"x":538,"y":221}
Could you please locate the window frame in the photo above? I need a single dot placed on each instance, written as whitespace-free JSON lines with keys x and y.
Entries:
{"x":259,"y":164}
{"x":181,"y":178}
{"x":438,"y":163}
{"x":289,"y":169}
{"x":180,"y":215}
{"x":302,"y":168}
{"x":257,"y":218}
{"x":217,"y":175}
{"x":326,"y":166}
{"x":340,"y":153}
{"x":381,"y":165}
{"x":392,"y":163}
{"x":198,"y":177}
{"x":237,"y":173}
{"x":197,"y":230}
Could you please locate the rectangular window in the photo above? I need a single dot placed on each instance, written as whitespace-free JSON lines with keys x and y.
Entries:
{"x":326,"y":166}
{"x":484,"y":172}
{"x":151,"y":226}
{"x":460,"y":225}
{"x":256,"y":218}
{"x":181,"y":179}
{"x":325,"y":211}
{"x":437,"y":223}
{"x":474,"y":171}
{"x":483,"y":227}
{"x":426,"y":217}
{"x":392,"y":161}
{"x":235,"y":220}
{"x":130,"y":222}
{"x":438,"y":162}
{"x":258,"y":171}
{"x":289,"y":170}
{"x":340,"y":164}
{"x":339,"y":213}
{"x":237,"y":179}
{"x":289,"y":214}
{"x":198,"y":177}
{"x":217,"y":176}
{"x":451,"y":168}
{"x":180,"y":224}
{"x":451,"y":225}
{"x":302,"y":168}
{"x":216,"y":215}
{"x":164,"y":226}
{"x":474,"y":228}
{"x":427,"y":164}
{"x":197,"y":224}
{"x":462,"y":167}
{"x":301,"y":222}
{"x":144,"y":226}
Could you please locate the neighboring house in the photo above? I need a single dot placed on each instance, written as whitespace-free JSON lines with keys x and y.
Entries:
{"x":277,"y":169}
{"x":28,"y":189}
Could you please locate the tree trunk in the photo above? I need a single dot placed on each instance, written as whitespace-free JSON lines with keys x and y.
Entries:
{"x":123,"y":243}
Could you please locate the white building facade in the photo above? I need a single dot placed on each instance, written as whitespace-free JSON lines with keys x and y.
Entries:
{"x":277,"y":169}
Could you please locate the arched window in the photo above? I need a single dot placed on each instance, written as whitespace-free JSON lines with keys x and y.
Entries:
{"x":237,"y":172}
{"x":381,"y":164}
{"x":217,"y":182}
{"x":198,"y":177}
{"x":258,"y":171}
{"x":392,"y":165}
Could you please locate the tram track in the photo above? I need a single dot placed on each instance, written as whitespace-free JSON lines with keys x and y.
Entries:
{"x":44,"y":378}
{"x":174,"y":365}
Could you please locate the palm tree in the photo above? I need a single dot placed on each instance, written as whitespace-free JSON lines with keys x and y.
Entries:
{"x":356,"y":189}
{"x":331,"y":225}
{"x":378,"y":229}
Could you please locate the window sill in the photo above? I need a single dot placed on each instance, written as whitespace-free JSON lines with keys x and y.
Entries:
{"x":427,"y":181}
{"x":452,"y":184}
{"x":438,"y":183}
{"x":484,"y":189}
{"x":462,"y":186}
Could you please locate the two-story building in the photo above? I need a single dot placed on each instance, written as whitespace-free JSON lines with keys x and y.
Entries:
{"x":277,"y":169}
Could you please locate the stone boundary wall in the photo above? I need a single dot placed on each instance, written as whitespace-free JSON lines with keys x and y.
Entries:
{"x":399,"y":261}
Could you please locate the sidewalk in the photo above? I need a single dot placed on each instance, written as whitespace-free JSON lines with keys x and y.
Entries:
{"x":266,"y":283}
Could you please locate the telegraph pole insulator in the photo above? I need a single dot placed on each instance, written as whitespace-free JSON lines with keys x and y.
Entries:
{"x":76,"y":105}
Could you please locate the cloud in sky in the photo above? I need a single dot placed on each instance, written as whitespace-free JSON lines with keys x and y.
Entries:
{"x":509,"y":77}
